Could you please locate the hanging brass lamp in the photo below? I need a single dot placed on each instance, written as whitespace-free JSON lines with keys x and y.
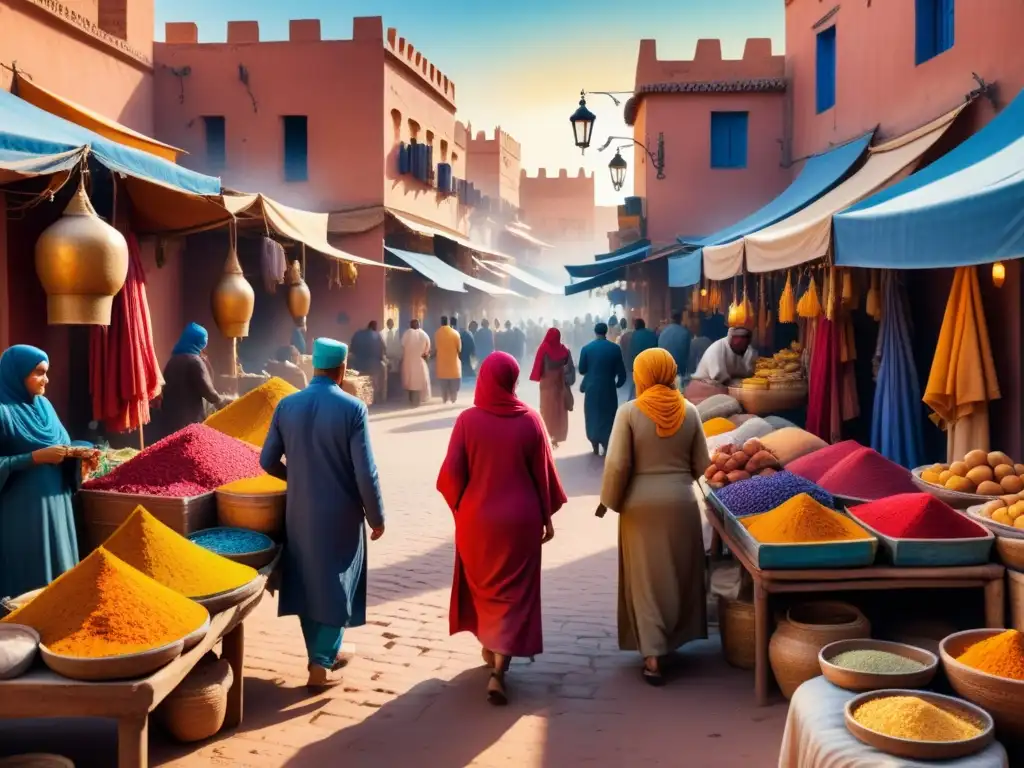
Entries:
{"x":298,"y":295}
{"x":82,"y":263}
{"x":233,"y":298}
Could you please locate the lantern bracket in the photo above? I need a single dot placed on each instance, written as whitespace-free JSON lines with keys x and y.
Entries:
{"x":657,"y":157}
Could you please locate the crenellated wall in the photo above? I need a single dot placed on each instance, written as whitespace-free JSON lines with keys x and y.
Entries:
{"x":493,"y":165}
{"x":559,"y":208}
{"x":416,"y":62}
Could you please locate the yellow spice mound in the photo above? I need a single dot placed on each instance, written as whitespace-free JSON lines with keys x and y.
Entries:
{"x":911,"y":717}
{"x":145,"y":543}
{"x":256,"y":485}
{"x":717,"y":426}
{"x":248,"y":418}
{"x":104,"y":607}
{"x":802,"y":520}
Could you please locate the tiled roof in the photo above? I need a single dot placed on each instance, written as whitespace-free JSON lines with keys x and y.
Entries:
{"x":751,"y":85}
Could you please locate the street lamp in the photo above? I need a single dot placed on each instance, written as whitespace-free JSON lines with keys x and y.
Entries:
{"x":617,"y":168}
{"x":657,"y":157}
{"x":582,"y":121}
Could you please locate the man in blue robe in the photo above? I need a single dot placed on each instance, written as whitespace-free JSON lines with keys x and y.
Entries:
{"x":642,"y":339}
{"x":603,"y":373}
{"x":332,"y":490}
{"x":675,"y":339}
{"x":484,"y":342}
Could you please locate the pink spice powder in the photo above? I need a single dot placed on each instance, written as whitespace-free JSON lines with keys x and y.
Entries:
{"x":867,"y":474}
{"x":192,"y":461}
{"x":815,"y":464}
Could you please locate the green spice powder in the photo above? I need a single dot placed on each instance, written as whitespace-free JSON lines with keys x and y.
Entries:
{"x":876,"y":662}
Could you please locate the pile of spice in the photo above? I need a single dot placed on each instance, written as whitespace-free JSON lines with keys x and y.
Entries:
{"x":151,"y":547}
{"x":718,"y":426}
{"x":914,"y":718}
{"x":1001,"y":655}
{"x":760,"y":494}
{"x":867,"y":474}
{"x":248,"y":418}
{"x":802,"y":520}
{"x":876,"y":662}
{"x":231,"y":541}
{"x":814,"y":465}
{"x":103,"y":607}
{"x":261,"y":484}
{"x":192,"y":461}
{"x":917,"y":516}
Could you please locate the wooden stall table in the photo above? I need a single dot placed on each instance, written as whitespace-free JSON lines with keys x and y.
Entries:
{"x":44,"y":694}
{"x":768,"y":582}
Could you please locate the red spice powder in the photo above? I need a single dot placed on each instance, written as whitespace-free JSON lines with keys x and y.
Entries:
{"x":817,"y":463}
{"x":867,"y":474}
{"x":917,"y":516}
{"x":194,"y":460}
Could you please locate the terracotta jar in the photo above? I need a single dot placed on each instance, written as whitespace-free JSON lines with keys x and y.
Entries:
{"x":805,"y":630}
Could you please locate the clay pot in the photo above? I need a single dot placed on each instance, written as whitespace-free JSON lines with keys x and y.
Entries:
{"x":233,"y":300}
{"x":82,"y":262}
{"x":298,"y":295}
{"x":805,"y":630}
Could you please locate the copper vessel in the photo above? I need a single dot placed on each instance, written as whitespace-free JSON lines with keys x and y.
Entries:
{"x":233,"y":299}
{"x":298,"y":295}
{"x":349,"y":273}
{"x":82,"y":263}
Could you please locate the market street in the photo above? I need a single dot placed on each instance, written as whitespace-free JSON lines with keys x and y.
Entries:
{"x":415,"y":694}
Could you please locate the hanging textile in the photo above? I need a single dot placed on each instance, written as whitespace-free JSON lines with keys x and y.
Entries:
{"x":896,"y":417}
{"x":962,"y":380}
{"x":273,"y":264}
{"x":823,"y":402}
{"x":124,"y":375}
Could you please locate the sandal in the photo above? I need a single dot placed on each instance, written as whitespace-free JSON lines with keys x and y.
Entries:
{"x":496,"y":690}
{"x":653,"y":677}
{"x":488,"y":657}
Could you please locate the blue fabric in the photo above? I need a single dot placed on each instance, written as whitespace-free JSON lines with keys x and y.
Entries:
{"x":484,"y":342}
{"x":675,"y":339}
{"x":32,"y":164}
{"x":934,"y":28}
{"x":825,"y":70}
{"x":623,"y":257}
{"x":445,"y":277}
{"x":37,"y":525}
{"x":26,"y":128}
{"x":323,"y":642}
{"x":820,"y":173}
{"x":685,"y":271}
{"x":329,"y":353}
{"x":603,"y":373}
{"x":193,"y":340}
{"x":963,"y":209}
{"x":729,"y":139}
{"x":611,"y":276}
{"x":467,"y":353}
{"x":333,"y":492}
{"x":299,"y":340}
{"x":640,"y":341}
{"x":897,"y":416}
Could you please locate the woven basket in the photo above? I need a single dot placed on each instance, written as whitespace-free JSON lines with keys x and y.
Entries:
{"x":736,"y":625}
{"x":195,"y":710}
{"x":36,"y":761}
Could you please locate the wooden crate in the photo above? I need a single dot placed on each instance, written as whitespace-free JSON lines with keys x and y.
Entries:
{"x":104,"y":511}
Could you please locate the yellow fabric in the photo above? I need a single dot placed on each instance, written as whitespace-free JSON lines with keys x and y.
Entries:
{"x":654,"y":372}
{"x":95,"y":122}
{"x":963,"y":374}
{"x":717,"y":426}
{"x":448,"y":345}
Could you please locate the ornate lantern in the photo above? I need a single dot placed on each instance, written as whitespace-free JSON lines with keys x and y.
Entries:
{"x":233,"y":299}
{"x":298,"y":295}
{"x":582,"y":121}
{"x":82,"y":263}
{"x":617,"y":168}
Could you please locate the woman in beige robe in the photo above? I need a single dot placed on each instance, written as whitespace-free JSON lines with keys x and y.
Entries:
{"x":656,"y":451}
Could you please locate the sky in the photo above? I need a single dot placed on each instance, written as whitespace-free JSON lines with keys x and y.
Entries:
{"x":520,"y":64}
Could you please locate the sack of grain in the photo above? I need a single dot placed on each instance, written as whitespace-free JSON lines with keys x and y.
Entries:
{"x":718,"y":406}
{"x":791,"y":443}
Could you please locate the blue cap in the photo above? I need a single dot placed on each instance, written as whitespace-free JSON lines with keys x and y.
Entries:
{"x":328,"y":354}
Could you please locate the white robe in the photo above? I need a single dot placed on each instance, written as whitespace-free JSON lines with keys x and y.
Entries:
{"x":721,"y":364}
{"x":415,"y":376}
{"x":393,"y":345}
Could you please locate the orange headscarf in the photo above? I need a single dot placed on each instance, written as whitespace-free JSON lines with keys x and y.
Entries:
{"x":654,"y":372}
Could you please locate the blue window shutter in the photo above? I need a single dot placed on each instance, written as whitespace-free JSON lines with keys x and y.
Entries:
{"x":738,"y":139}
{"x":925,"y":27}
{"x":719,"y":140}
{"x":947,"y":25}
{"x":825,"y":91}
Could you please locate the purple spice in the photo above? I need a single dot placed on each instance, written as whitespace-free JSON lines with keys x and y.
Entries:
{"x":761,"y":494}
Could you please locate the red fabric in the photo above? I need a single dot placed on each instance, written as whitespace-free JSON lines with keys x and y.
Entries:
{"x":553,"y":347}
{"x":824,"y":396}
{"x":124,"y":375}
{"x":500,"y":481}
{"x":496,"y":386}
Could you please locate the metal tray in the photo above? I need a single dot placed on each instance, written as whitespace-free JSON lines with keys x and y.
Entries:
{"x":925,"y":553}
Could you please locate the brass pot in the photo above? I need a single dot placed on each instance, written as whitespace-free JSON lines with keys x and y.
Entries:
{"x":349,"y":274}
{"x":298,"y":295}
{"x":233,"y":300}
{"x":82,"y":263}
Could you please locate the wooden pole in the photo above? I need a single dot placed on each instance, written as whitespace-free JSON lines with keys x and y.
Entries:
{"x":142,"y":439}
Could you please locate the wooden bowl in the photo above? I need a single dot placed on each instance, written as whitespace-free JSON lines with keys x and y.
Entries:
{"x":36,"y":760}
{"x":194,"y":638}
{"x":11,"y":604}
{"x":998,"y":695}
{"x":955,"y":499}
{"x":922,"y":750}
{"x":853,"y":680}
{"x":125,"y":667}
{"x":1011,"y":552}
{"x":222,"y":601}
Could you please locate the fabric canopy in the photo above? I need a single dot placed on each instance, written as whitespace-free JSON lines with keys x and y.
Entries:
{"x":15,"y":165}
{"x":526,"y":277}
{"x":963,"y":209}
{"x":623,"y":257}
{"x":295,"y":224}
{"x":820,"y":173}
{"x":444,"y":275}
{"x":26,"y":128}
{"x":428,"y":230}
{"x":93,"y":121}
{"x":807,"y":234}
{"x":520,"y":231}
{"x":685,"y":270}
{"x":605,"y":278}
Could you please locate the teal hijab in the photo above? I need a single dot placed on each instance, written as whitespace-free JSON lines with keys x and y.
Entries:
{"x":27,"y":422}
{"x":193,"y":340}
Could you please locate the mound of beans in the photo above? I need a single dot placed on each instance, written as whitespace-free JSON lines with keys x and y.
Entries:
{"x":761,"y":494}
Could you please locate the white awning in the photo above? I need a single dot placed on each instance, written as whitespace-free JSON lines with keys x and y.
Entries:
{"x":528,"y":278}
{"x":431,"y":231}
{"x":807,"y":234}
{"x":520,"y":231}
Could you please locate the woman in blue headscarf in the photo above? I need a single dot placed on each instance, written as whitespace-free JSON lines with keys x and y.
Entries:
{"x":37,"y":526}
{"x":188,"y":382}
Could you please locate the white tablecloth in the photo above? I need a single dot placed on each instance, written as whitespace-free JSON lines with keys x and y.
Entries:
{"x":816,"y":737}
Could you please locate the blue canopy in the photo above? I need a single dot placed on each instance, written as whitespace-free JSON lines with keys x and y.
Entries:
{"x":623,"y":257}
{"x":965,"y":208}
{"x":684,"y":270}
{"x":611,"y":276}
{"x":26,"y":130}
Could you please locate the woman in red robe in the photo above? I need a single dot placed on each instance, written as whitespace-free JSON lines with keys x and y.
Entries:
{"x":500,"y":481}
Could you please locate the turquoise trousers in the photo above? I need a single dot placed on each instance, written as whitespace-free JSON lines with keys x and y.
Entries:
{"x":322,"y":642}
